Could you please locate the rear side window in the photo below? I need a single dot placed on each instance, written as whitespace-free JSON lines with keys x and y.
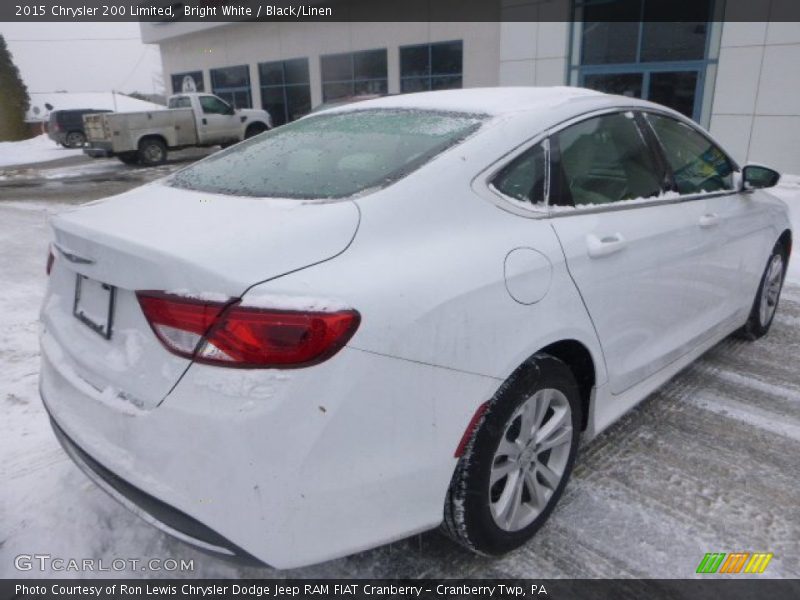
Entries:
{"x":604,"y":160}
{"x":180,"y":102}
{"x":697,"y":164}
{"x":524,"y":178}
{"x":330,"y":155}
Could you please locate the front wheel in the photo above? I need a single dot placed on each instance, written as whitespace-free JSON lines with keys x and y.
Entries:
{"x":766,"y":301}
{"x":518,"y":461}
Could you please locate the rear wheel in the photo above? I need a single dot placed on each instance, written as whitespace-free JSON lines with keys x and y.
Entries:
{"x":152,"y":152}
{"x":74,"y":139}
{"x":518,"y":462}
{"x":767,"y":297}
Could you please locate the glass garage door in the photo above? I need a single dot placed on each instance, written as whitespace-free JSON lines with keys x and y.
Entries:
{"x":678,"y":89}
{"x":629,"y":47}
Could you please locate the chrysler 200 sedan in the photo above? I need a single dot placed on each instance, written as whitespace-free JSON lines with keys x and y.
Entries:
{"x":398,"y":315}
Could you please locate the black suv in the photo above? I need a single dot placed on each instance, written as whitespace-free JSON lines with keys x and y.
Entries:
{"x":66,"y":126}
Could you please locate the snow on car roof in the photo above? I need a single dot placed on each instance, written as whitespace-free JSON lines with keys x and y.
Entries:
{"x":490,"y":101}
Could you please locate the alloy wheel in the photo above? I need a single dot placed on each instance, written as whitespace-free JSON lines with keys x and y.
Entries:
{"x":530,"y":460}
{"x":770,"y":292}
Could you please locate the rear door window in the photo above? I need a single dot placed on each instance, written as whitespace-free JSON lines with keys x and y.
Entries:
{"x":605,"y":160}
{"x":698,"y":165}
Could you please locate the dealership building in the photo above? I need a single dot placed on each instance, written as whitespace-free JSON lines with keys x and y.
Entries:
{"x":740,"y":79}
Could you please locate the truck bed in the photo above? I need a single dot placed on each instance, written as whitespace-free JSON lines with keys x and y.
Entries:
{"x":124,"y":130}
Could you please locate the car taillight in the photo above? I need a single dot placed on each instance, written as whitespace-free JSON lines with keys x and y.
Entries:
{"x":231,"y":335}
{"x":51,"y":258}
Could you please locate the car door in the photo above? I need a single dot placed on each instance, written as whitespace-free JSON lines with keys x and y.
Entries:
{"x":732,"y":219}
{"x":217,"y":121}
{"x":636,"y":253}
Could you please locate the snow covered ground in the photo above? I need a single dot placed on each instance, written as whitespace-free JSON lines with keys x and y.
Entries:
{"x":35,"y":150}
{"x":707,"y":464}
{"x":789,"y":192}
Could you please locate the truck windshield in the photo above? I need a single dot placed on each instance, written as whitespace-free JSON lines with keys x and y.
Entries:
{"x":330,"y":155}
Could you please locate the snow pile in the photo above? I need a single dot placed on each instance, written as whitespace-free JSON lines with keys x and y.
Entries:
{"x":35,"y":150}
{"x":71,"y":100}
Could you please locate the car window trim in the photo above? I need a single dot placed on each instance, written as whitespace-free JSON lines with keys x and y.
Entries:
{"x":645,"y":203}
{"x":481,"y":183}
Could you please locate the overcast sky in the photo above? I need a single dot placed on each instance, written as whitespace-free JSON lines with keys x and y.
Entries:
{"x":84,"y":57}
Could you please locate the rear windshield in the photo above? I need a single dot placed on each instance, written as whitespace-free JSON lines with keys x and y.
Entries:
{"x":330,"y":155}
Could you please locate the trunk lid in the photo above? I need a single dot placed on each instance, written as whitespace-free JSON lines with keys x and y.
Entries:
{"x":161,"y":238}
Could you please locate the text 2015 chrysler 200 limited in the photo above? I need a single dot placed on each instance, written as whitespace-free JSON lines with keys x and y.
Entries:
{"x":396,"y":315}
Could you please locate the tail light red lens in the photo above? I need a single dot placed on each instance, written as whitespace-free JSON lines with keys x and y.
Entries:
{"x":231,"y":335}
{"x":51,"y":258}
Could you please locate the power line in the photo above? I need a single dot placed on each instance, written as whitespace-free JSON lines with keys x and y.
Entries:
{"x":136,"y":66}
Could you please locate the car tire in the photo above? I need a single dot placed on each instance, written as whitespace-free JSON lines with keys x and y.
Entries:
{"x":152,"y":152}
{"x":254,"y":130}
{"x":129,"y":158}
{"x":507,"y":482}
{"x":766,"y":301}
{"x":74,"y":139}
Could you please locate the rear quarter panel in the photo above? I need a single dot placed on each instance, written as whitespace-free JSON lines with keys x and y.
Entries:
{"x":426,"y":271}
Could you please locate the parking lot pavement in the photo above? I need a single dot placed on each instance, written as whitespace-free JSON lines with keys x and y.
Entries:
{"x":709,"y":463}
{"x":78,"y":179}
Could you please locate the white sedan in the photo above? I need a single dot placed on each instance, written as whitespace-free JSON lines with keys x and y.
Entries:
{"x":397,"y":315}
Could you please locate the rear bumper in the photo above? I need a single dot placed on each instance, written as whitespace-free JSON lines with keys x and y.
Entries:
{"x":98,"y":149}
{"x":159,"y":514}
{"x":291,"y":469}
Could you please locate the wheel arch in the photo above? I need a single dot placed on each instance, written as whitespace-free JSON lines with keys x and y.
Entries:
{"x":785,"y":240}
{"x":580,"y":361}
{"x":261,"y":126}
{"x":150,"y":136}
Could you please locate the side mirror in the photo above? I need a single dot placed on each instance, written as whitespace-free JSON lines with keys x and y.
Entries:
{"x":758,"y":177}
{"x":231,"y":111}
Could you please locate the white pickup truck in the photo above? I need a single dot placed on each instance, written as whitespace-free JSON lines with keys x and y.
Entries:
{"x":190,"y":119}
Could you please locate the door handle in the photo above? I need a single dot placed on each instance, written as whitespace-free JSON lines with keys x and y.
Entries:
{"x":205,"y":121}
{"x":709,"y":220}
{"x":603,"y":246}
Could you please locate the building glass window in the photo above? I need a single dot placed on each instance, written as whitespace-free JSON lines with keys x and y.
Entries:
{"x":426,"y":67}
{"x":285,"y":89}
{"x":629,"y":47}
{"x":232,"y":84}
{"x":179,"y":81}
{"x":354,"y":74}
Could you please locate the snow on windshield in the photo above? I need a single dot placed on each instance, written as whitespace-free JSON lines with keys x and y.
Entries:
{"x":330,"y":155}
